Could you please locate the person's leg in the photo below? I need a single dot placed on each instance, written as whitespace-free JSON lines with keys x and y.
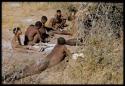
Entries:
{"x":30,"y":40}
{"x":36,"y":68}
{"x":62,"y":32}
{"x":32,"y":69}
{"x":26,"y":40}
{"x":35,"y":40}
{"x":74,"y":42}
{"x":45,"y":38}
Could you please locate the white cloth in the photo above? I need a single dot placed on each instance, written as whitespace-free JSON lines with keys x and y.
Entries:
{"x":22,"y":39}
{"x":76,"y":55}
{"x":44,"y":47}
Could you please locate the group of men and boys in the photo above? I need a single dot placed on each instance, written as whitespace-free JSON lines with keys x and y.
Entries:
{"x":40,"y":33}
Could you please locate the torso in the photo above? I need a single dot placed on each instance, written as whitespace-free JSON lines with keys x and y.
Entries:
{"x":56,"y":55}
{"x":57,"y":20}
{"x":31,"y":31}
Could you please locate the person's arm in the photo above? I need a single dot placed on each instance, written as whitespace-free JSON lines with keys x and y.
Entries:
{"x":39,"y":35}
{"x":63,"y":32}
{"x":17,"y":47}
{"x":25,"y":49}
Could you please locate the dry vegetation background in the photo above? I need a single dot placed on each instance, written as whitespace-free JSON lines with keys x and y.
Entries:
{"x":99,"y":24}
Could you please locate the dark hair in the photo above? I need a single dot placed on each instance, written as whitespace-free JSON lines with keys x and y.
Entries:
{"x":31,"y":25}
{"x":38,"y":24}
{"x":44,"y":18}
{"x":15,"y":30}
{"x":58,"y":11}
{"x":61,"y":41}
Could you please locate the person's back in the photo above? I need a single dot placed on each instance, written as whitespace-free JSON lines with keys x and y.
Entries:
{"x":29,"y":29}
{"x":27,"y":32}
{"x":57,"y":54}
{"x":32,"y":35}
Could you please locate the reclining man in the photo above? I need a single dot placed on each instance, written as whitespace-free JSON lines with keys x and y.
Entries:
{"x":52,"y":59}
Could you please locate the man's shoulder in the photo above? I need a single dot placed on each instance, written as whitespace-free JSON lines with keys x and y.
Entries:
{"x":30,"y":27}
{"x":60,"y":46}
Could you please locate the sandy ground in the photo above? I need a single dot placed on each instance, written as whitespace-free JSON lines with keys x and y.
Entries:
{"x":12,"y":61}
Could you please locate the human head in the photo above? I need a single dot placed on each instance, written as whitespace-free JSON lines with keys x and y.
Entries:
{"x":17,"y":31}
{"x":61,"y":41}
{"x":58,"y":13}
{"x":38,"y":24}
{"x":44,"y":19}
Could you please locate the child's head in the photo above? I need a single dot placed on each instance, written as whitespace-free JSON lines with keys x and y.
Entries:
{"x":61,"y":41}
{"x":38,"y":24}
{"x":44,"y":19}
{"x":17,"y":31}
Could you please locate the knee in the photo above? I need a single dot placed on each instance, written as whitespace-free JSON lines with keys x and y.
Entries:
{"x":30,"y":38}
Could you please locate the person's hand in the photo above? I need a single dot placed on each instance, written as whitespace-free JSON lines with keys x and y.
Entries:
{"x":29,"y":47}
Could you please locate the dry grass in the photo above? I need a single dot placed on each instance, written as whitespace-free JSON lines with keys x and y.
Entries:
{"x":103,"y":53}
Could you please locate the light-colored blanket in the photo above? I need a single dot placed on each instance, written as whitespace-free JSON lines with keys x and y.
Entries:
{"x":44,"y":47}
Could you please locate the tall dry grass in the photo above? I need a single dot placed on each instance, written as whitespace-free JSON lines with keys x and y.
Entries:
{"x":103,"y":50}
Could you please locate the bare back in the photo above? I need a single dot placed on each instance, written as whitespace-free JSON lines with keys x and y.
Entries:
{"x":28,"y":30}
{"x":31,"y":32}
{"x":57,"y":55}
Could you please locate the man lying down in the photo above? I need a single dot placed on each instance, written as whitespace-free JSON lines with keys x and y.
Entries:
{"x":58,"y":53}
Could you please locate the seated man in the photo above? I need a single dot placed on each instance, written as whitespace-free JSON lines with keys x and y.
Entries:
{"x":58,"y":22}
{"x":32,"y":34}
{"x":52,"y":59}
